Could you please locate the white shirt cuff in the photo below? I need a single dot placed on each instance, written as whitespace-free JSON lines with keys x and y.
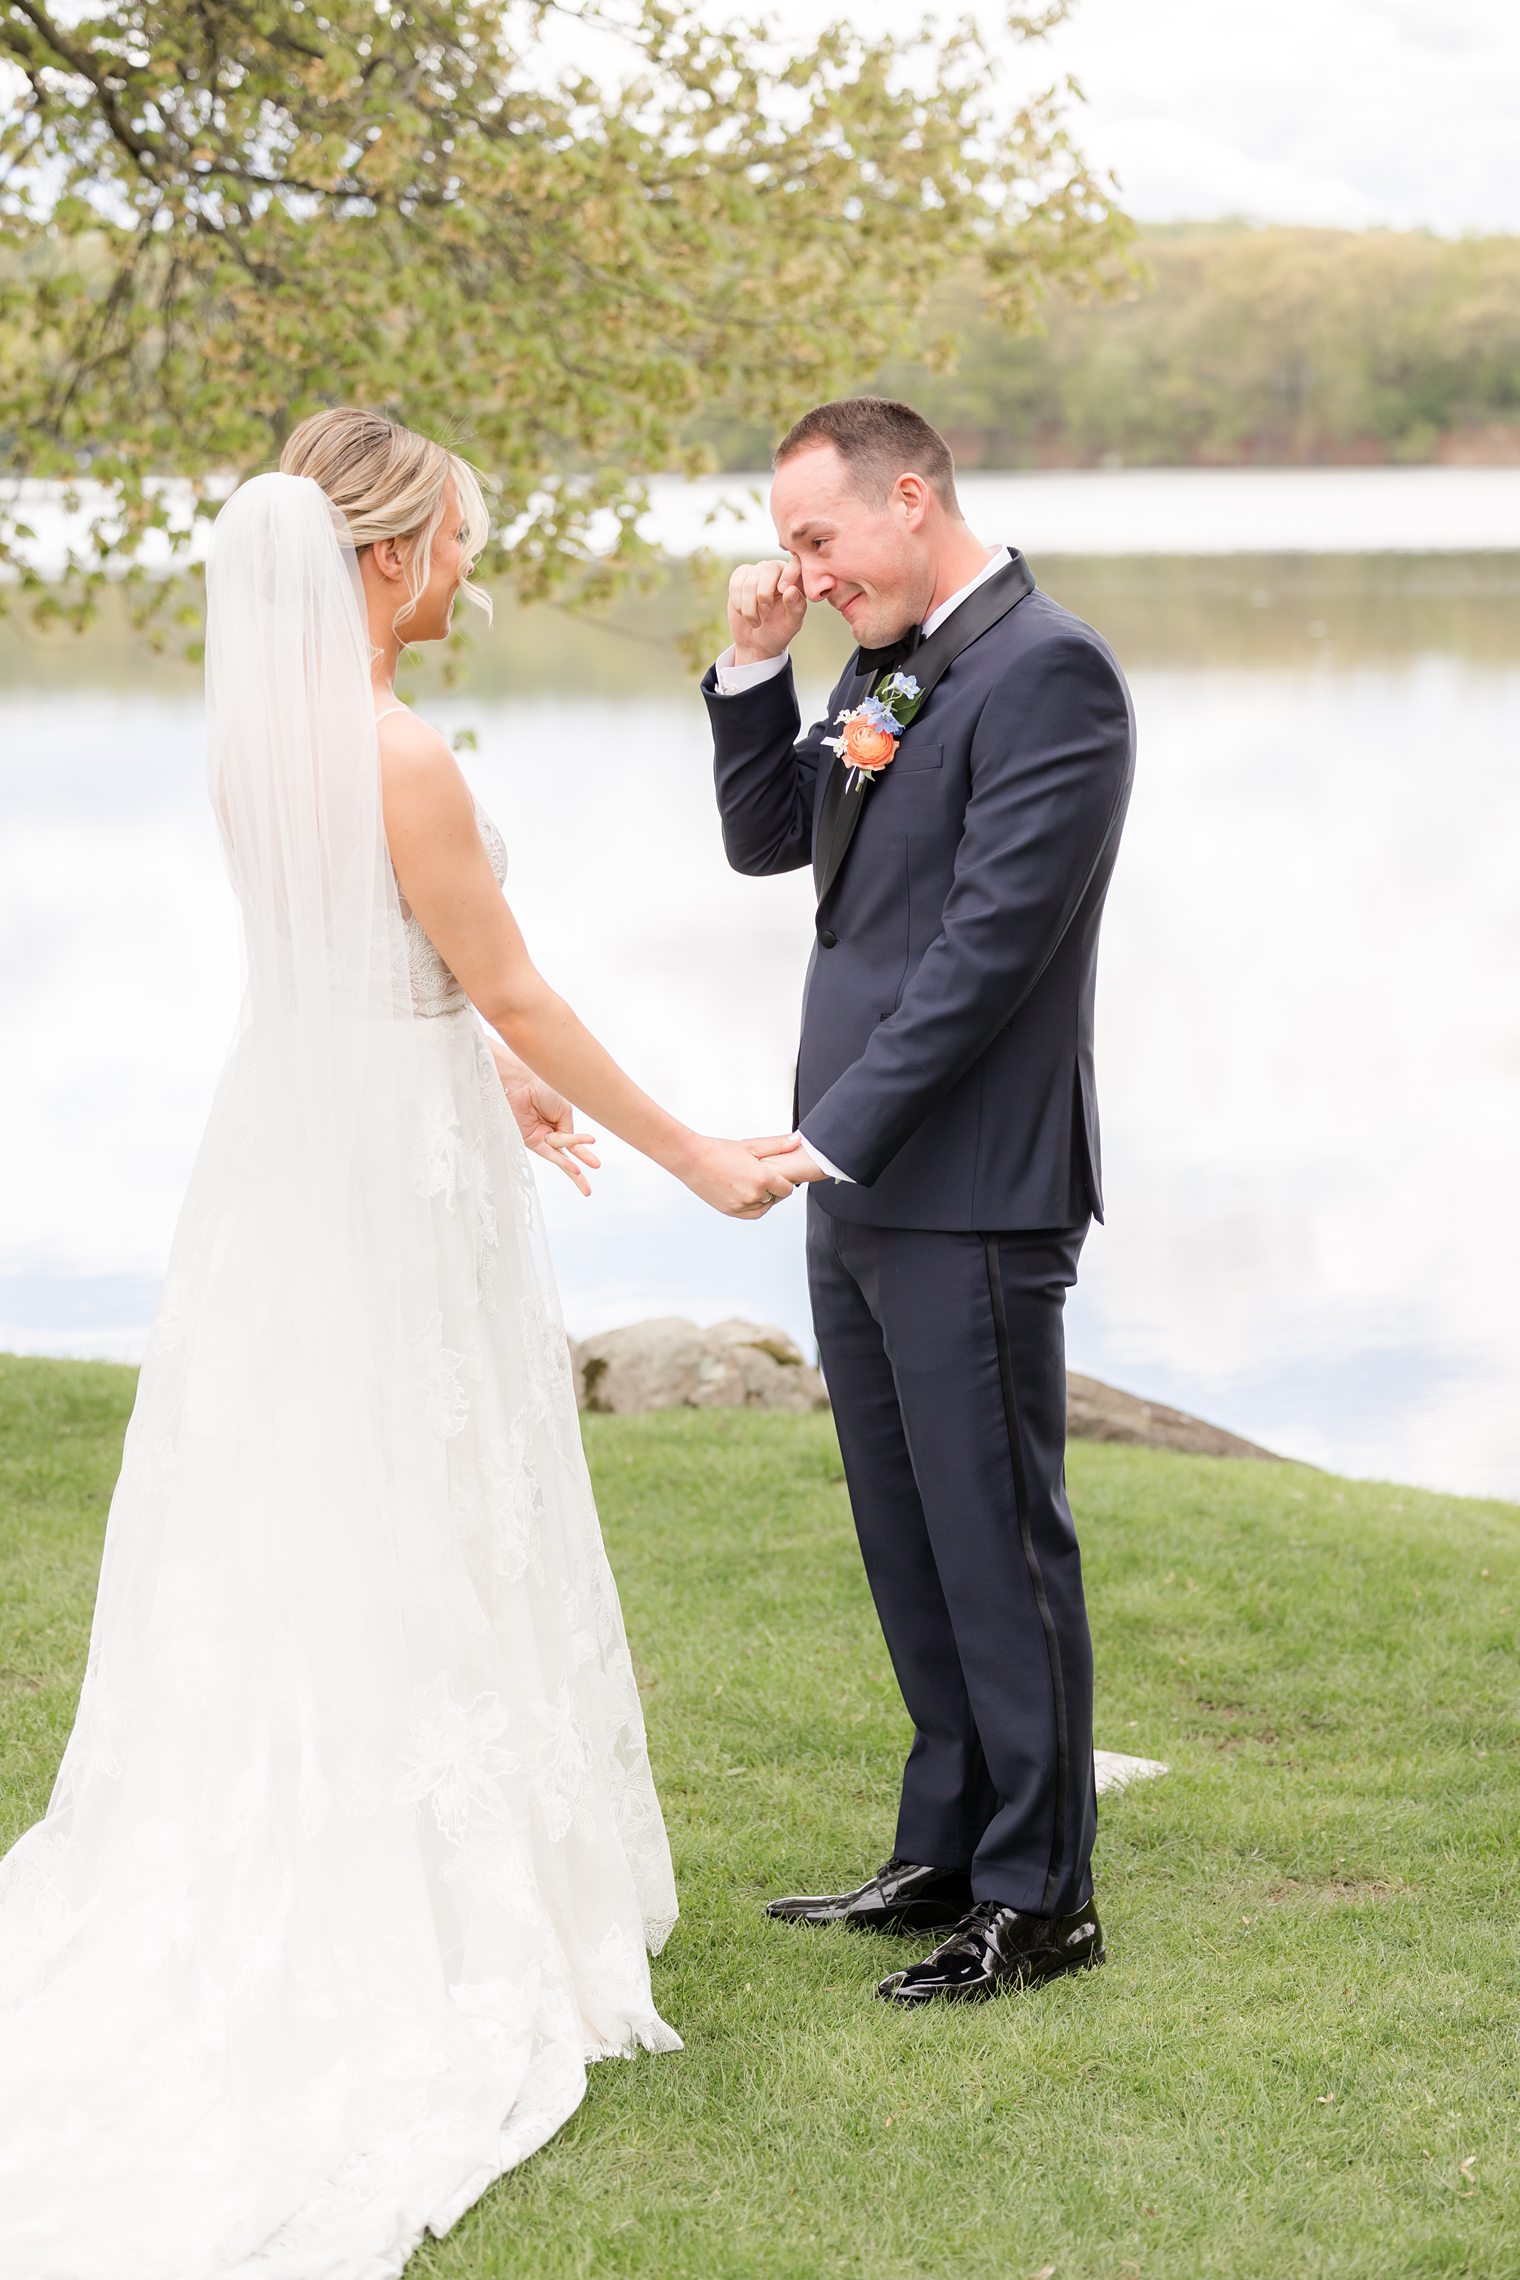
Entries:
{"x":734,"y":679}
{"x":831,"y":1171}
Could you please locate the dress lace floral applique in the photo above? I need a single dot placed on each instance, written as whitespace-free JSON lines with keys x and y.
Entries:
{"x":455,"y":1754}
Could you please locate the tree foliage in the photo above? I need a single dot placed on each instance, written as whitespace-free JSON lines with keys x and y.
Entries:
{"x":1277,"y":346}
{"x":214,"y":219}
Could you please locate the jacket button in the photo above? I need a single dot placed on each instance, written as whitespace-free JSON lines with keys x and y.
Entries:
{"x":828,"y":938}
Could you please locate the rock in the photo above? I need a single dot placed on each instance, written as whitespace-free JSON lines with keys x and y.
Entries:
{"x":671,"y":1364}
{"x":1097,"y":1412}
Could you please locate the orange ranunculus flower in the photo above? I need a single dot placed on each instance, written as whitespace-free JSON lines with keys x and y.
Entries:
{"x":866,"y":746}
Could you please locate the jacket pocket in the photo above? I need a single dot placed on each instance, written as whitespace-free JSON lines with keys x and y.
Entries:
{"x":917,"y":759}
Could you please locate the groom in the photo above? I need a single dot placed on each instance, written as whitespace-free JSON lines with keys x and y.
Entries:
{"x":949,"y":1133}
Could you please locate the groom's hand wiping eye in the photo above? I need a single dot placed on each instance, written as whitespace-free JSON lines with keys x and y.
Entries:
{"x":766,"y":607}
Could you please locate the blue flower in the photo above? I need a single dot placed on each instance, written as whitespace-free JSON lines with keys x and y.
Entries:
{"x":900,"y":685}
{"x":879,"y":715}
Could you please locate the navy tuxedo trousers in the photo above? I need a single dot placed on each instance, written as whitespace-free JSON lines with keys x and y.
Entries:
{"x":944,"y":1354}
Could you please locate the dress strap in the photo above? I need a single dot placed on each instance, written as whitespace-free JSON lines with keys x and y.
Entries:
{"x":386,"y":711}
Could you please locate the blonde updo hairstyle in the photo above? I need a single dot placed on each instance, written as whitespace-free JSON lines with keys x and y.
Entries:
{"x":386,"y":481}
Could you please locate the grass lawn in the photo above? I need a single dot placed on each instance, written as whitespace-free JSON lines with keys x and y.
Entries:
{"x":1303,"y":2056}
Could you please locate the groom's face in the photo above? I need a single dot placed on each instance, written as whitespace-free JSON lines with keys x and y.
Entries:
{"x":871,"y":562}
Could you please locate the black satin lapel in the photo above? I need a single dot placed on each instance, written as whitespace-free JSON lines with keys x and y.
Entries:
{"x":828,"y":817}
{"x":976,"y":615}
{"x":838,"y":815}
{"x":838,"y":811}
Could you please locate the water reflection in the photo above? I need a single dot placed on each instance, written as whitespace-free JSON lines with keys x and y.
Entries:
{"x":1310,"y":1016}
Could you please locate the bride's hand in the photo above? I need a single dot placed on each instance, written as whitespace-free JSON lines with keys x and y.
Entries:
{"x":546,"y":1120}
{"x":741,"y":1178}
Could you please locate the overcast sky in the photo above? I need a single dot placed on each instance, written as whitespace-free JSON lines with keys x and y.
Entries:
{"x":1347,"y":112}
{"x":1350,"y":112}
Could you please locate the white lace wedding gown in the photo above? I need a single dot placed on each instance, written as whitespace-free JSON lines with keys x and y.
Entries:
{"x":355,"y":1858}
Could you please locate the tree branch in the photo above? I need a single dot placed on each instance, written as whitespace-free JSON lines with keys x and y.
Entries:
{"x":80,"y":61}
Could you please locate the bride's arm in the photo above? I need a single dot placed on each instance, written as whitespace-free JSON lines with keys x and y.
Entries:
{"x":447,"y":879}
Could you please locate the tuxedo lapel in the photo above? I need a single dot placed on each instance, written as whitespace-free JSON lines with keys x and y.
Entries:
{"x":838,"y":807}
{"x":976,"y":615}
{"x":838,"y":813}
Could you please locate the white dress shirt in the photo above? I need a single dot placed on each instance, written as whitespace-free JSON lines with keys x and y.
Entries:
{"x":734,"y":679}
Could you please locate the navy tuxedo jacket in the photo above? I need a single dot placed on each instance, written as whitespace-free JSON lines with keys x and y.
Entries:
{"x":946,"y":1058}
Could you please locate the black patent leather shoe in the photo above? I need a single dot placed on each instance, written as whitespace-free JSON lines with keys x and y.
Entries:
{"x":903,"y":1896}
{"x":994,"y":1948}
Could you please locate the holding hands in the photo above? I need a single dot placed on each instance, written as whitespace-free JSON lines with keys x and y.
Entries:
{"x":741,"y":1178}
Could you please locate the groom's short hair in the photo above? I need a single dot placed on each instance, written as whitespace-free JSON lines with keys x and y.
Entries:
{"x":878,"y":439}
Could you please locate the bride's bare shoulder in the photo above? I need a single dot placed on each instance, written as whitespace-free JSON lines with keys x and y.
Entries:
{"x":417,"y":769}
{"x":410,"y":741}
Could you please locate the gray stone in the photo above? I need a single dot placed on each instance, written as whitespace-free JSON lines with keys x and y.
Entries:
{"x":671,"y":1364}
{"x":1096,"y":1412}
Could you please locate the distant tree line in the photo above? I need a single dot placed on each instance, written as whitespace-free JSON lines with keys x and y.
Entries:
{"x":1235,"y":345}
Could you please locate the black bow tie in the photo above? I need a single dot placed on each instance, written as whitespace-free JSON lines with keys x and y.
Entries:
{"x":878,"y":663}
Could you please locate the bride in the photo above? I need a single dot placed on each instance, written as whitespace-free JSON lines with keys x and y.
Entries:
{"x":354,"y":1861}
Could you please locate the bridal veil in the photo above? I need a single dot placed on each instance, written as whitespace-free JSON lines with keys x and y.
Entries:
{"x":354,"y":1858}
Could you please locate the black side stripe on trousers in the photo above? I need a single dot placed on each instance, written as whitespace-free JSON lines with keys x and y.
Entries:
{"x":1031,"y":1558}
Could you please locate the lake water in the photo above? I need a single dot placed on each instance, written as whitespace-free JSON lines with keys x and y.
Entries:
{"x":1084,"y":511}
{"x":1309,"y":1041}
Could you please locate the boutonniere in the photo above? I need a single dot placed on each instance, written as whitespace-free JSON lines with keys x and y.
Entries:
{"x":873,"y":729}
